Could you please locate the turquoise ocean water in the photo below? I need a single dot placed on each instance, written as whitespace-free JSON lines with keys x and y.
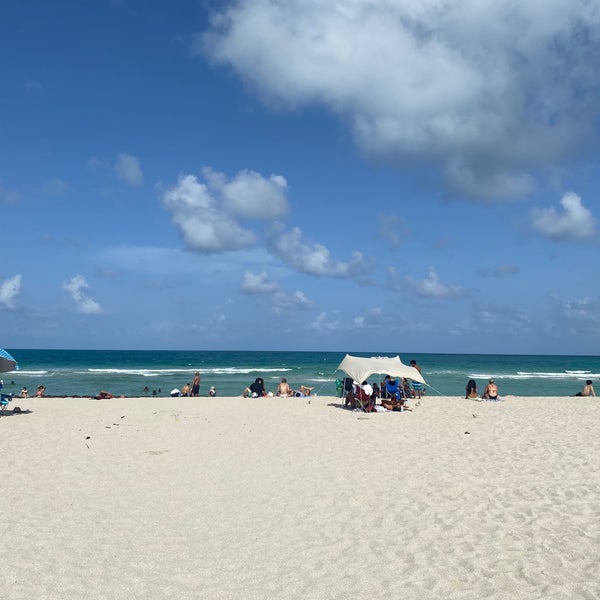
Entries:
{"x":128,"y":372}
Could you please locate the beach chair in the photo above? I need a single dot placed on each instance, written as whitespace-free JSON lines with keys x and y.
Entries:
{"x":4,"y":400}
{"x":393,"y":389}
{"x":359,"y":399}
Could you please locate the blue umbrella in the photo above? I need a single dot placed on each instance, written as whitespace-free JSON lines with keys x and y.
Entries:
{"x":7,"y":362}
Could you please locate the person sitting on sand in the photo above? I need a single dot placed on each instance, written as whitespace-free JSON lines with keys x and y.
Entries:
{"x":284,"y":389}
{"x":186,"y":390}
{"x":41,"y":390}
{"x":588,"y":389}
{"x":471,"y":390}
{"x":394,"y":404}
{"x":303,"y":391}
{"x":491,"y":391}
{"x":24,"y":393}
{"x":367,"y":388}
{"x":257,"y":389}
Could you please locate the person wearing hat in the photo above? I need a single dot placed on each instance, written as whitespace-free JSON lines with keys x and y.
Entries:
{"x":491,"y":391}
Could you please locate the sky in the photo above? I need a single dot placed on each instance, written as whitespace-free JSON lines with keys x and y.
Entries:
{"x":393,"y":176}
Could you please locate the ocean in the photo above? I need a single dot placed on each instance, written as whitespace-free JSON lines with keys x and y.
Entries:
{"x":129,"y":372}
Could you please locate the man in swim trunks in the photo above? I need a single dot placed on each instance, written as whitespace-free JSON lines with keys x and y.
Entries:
{"x":588,"y":389}
{"x":417,"y":386}
{"x":196,"y":385}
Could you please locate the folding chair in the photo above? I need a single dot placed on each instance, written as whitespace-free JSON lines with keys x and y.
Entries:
{"x":4,"y":400}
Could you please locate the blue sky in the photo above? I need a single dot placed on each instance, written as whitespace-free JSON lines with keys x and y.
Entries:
{"x":392,"y":176}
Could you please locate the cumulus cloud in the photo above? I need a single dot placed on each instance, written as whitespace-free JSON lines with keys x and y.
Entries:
{"x":258,"y":283}
{"x":250,"y":195}
{"x":9,"y":292}
{"x":128,"y":169}
{"x":284,"y":302}
{"x":470,"y":86}
{"x":324,"y":322}
{"x":211,"y":214}
{"x":432,"y":287}
{"x":573,"y":222}
{"x":77,"y":288}
{"x":281,"y":300}
{"x":314,"y":258}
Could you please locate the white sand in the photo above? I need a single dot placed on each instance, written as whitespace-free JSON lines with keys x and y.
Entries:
{"x":278,"y":498}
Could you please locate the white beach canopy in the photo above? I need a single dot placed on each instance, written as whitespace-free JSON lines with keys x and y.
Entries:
{"x":360,"y":368}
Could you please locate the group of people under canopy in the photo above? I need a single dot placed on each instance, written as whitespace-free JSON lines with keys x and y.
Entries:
{"x":393,"y":394}
{"x":400,"y":383}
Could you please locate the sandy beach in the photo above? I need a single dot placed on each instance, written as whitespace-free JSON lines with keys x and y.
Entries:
{"x":284,"y":498}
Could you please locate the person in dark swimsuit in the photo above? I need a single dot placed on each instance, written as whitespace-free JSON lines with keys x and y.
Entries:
{"x":196,"y":385}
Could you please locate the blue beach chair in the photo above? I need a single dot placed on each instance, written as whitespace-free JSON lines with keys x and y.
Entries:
{"x":393,"y":389}
{"x":4,"y":400}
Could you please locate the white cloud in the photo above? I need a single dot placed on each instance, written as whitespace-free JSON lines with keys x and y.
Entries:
{"x":249,"y":195}
{"x":258,"y":283}
{"x":209,"y":214}
{"x":9,"y":292}
{"x":128,"y":169}
{"x":573,"y":222}
{"x":324,"y":322}
{"x":469,"y":85}
{"x":285,"y":302}
{"x":281,"y":300}
{"x":432,"y":287}
{"x":77,"y":288}
{"x":205,"y":227}
{"x":314,"y":258}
